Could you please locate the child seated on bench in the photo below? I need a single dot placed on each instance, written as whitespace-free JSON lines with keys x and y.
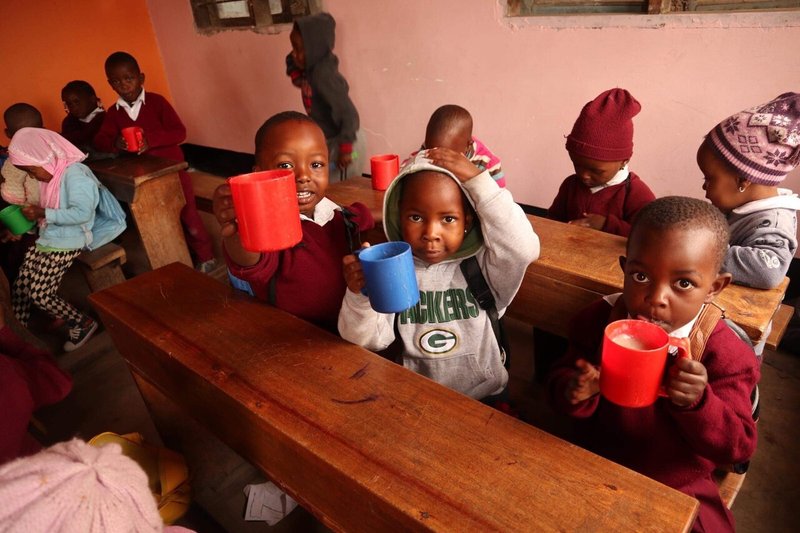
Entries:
{"x":85,"y":115}
{"x":448,"y":210}
{"x":672,"y":270}
{"x":305,"y":280}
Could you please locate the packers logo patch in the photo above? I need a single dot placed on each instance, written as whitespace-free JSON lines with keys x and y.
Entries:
{"x":438,"y":341}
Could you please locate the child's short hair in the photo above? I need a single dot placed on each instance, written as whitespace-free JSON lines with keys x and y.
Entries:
{"x":80,"y":87}
{"x":279,"y":118}
{"x":121,"y":58}
{"x":446,"y":118}
{"x":21,"y":115}
{"x":681,"y":212}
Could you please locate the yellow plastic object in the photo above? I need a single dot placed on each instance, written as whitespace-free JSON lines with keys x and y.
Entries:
{"x":167,"y":474}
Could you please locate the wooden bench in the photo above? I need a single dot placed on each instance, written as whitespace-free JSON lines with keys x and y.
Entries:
{"x":729,"y":483}
{"x":361,"y":442}
{"x":103,"y":267}
{"x":204,"y":185}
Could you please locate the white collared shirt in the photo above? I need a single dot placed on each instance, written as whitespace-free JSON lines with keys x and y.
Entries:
{"x":618,"y":178}
{"x":88,"y":118}
{"x":323,"y":212}
{"x":132,"y":109}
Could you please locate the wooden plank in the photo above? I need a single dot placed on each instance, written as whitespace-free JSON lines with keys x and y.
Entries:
{"x":123,"y":174}
{"x":361,"y":442}
{"x":780,"y":322}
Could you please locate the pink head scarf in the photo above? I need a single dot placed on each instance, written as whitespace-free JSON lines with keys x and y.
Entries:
{"x":37,"y":147}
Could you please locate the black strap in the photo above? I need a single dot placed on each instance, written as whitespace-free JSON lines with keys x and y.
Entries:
{"x":483,"y":294}
{"x":351,"y":229}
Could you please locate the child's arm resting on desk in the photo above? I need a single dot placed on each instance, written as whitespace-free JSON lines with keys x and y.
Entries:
{"x":719,"y":425}
{"x":358,"y":322}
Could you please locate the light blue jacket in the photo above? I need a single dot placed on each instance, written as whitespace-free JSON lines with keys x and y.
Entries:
{"x":70,"y":226}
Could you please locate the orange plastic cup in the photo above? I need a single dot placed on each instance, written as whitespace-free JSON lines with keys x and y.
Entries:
{"x":634,"y":362}
{"x":134,"y":137}
{"x":384,"y":170}
{"x":266,"y":210}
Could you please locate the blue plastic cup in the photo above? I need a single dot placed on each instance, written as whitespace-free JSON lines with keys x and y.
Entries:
{"x":390,"y":280}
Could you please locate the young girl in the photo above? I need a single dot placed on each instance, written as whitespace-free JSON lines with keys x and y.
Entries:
{"x":69,"y":195}
{"x":743,"y":160}
{"x":85,"y":114}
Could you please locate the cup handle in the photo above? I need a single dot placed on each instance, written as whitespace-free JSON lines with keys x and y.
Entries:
{"x":139,"y":137}
{"x":683,"y":352}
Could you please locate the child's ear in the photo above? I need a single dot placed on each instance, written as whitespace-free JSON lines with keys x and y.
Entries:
{"x":622,"y":261}
{"x":722,"y":281}
{"x":468,"y":219}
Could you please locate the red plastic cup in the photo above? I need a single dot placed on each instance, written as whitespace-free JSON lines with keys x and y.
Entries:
{"x":134,"y":137}
{"x":634,"y":362}
{"x":266,"y":210}
{"x":384,"y":170}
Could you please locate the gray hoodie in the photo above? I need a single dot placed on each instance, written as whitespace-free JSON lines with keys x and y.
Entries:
{"x":763,"y":240}
{"x":447,"y":336}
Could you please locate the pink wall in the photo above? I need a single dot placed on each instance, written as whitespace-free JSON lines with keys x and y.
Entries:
{"x":524,"y":84}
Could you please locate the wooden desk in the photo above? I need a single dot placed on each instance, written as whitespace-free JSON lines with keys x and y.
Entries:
{"x":152,"y":188}
{"x":578,"y":265}
{"x":363,"y":443}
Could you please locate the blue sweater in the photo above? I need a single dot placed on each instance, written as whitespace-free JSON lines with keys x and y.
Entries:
{"x":70,"y":226}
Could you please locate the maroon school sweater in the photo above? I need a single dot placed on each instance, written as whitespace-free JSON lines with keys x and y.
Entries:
{"x":162,"y":127}
{"x":29,"y":379}
{"x":309,"y":282}
{"x":80,"y":133}
{"x":676,"y":446}
{"x":618,"y":203}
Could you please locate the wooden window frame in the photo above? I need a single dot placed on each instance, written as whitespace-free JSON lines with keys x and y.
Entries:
{"x":652,"y":7}
{"x":206,"y":18}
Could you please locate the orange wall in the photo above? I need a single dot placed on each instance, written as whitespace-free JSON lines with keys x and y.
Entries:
{"x":51,"y":43}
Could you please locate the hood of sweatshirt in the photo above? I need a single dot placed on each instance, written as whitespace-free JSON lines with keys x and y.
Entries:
{"x":473,"y":240}
{"x":318,"y":32}
{"x":785,"y":199}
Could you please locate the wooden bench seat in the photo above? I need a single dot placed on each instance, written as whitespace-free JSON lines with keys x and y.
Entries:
{"x":103,"y":267}
{"x":729,"y":483}
{"x":359,"y":441}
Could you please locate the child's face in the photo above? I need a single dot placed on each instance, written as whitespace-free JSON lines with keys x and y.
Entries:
{"x":720,"y":181}
{"x":593,"y":172}
{"x":433,"y":218}
{"x":37,"y":173}
{"x":78,"y":103}
{"x":126,"y":80}
{"x":300,"y":146}
{"x":670,"y":274}
{"x":298,"y":50}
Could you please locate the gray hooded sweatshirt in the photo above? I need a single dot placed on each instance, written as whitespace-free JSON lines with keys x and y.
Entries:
{"x":447,"y":336}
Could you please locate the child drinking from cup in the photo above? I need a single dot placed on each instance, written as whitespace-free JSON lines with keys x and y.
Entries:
{"x":162,"y":132}
{"x":448,"y":210}
{"x":672,"y":270}
{"x":69,"y":197}
{"x":84,"y":117}
{"x":305,"y":280}
{"x":314,"y":68}
{"x":602,"y":194}
{"x":450,"y":126}
{"x":744,"y":159}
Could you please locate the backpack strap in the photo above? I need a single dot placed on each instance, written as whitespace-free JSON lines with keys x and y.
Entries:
{"x":351,"y":229}
{"x":483,"y":294}
{"x":703,"y":327}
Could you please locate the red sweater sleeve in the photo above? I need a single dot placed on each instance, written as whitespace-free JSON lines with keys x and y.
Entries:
{"x":172,"y":131}
{"x":109,"y":131}
{"x":558,"y":210}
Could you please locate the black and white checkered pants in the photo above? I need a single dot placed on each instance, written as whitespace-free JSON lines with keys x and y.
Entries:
{"x":37,"y":283}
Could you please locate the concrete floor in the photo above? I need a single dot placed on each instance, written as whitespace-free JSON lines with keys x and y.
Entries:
{"x":105,"y":399}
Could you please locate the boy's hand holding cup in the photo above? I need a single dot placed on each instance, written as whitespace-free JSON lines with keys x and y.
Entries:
{"x":222,"y":206}
{"x":687,"y":382}
{"x":584,"y":384}
{"x":385,"y":273}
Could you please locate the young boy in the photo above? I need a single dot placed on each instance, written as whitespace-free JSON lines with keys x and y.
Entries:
{"x":84,"y":115}
{"x":743,"y":160}
{"x":448,"y":210}
{"x":602,"y":194}
{"x":305,"y":280}
{"x":450,"y":126}
{"x":672,"y":270}
{"x":314,"y":68}
{"x":163,"y":132}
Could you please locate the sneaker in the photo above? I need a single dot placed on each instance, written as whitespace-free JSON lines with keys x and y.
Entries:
{"x":80,"y":334}
{"x":207,"y":267}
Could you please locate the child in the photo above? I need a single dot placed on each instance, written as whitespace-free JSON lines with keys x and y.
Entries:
{"x":450,"y":126}
{"x":602,"y":194}
{"x":69,"y":197}
{"x":76,"y":487}
{"x":305,"y":280}
{"x":163,"y":131}
{"x":314,"y":68}
{"x":16,"y":187}
{"x":743,"y":160}
{"x":29,"y":379}
{"x":85,"y":114}
{"x":672,"y":270}
{"x":448,"y":210}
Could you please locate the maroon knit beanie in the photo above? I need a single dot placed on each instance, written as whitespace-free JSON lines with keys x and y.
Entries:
{"x":604,"y":129}
{"x":763,"y":142}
